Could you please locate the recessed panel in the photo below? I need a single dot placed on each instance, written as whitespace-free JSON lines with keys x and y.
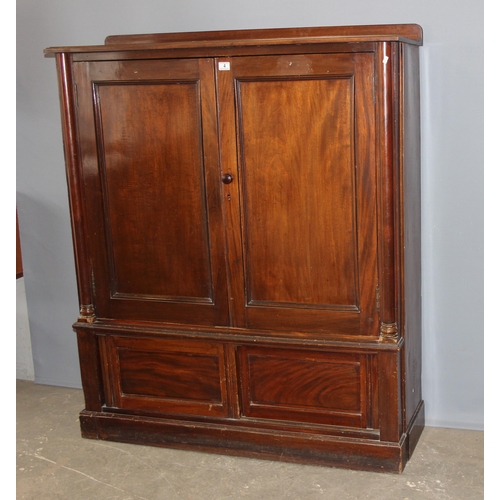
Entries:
{"x":151,"y":165}
{"x":172,"y":376}
{"x":298,"y":166}
{"x":305,"y":386}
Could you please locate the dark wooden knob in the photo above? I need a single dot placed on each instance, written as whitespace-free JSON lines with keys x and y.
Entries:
{"x":227,"y":178}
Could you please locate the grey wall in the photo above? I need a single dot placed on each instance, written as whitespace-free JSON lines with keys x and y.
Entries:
{"x":452,"y":153}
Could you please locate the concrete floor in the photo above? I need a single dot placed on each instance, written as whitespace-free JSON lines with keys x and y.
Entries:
{"x":54,"y":462}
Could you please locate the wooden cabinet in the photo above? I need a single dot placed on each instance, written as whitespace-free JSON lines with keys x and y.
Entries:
{"x":246,"y":223}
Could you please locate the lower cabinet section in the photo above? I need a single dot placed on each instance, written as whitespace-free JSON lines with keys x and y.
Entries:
{"x":190,"y":377}
{"x":283,"y":401}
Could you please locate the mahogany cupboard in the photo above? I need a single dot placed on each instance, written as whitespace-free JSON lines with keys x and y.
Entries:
{"x":245,"y":213}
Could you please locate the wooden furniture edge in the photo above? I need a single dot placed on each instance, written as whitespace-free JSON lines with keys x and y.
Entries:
{"x":415,"y":429}
{"x":285,"y":446}
{"x":411,"y":32}
{"x":235,"y":336}
{"x":408,"y":33}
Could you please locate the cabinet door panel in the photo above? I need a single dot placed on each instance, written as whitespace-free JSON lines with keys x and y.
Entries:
{"x":172,"y":376}
{"x":299,"y":192}
{"x":152,"y":187}
{"x":307,"y":192}
{"x":306,"y":386}
{"x":154,"y":190}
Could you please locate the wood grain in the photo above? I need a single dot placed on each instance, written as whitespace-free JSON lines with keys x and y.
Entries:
{"x":304,"y":178}
{"x":409,"y":33}
{"x":168,"y":376}
{"x":307,"y":386}
{"x":152,"y":189}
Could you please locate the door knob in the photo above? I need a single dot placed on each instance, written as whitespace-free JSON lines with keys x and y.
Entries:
{"x":227,"y":178}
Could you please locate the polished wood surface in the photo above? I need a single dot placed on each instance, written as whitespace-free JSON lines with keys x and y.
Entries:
{"x":316,"y":387}
{"x":142,"y":156}
{"x":387,"y":70}
{"x":408,"y":33}
{"x":304,"y":176}
{"x":246,"y":220}
{"x":154,"y":171}
{"x":299,"y":203}
{"x":167,"y":376}
{"x":72,"y":143}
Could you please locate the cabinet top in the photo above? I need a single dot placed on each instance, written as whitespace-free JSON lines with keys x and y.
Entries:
{"x":408,"y":33}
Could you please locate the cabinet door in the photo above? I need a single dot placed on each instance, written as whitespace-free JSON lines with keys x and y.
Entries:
{"x":150,"y":168}
{"x":303,"y":159}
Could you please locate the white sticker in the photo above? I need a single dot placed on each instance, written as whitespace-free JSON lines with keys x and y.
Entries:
{"x":386,"y":58}
{"x":224,"y":66}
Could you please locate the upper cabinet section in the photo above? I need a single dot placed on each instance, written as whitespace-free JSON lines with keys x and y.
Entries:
{"x":243,"y":179}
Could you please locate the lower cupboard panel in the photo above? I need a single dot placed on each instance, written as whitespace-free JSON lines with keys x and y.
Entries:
{"x":170,"y":376}
{"x":307,"y":386}
{"x":190,"y":377}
